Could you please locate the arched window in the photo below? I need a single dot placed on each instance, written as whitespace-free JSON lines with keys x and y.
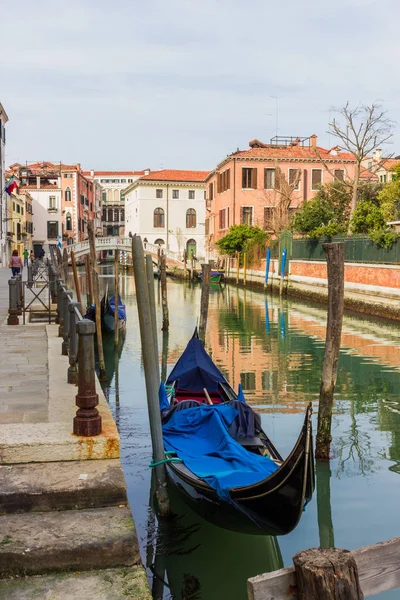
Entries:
{"x":158,"y":217}
{"x":190,"y":218}
{"x":159,"y":242}
{"x":116,"y":215}
{"x":70,"y":241}
{"x":109,"y":195}
{"x":68,"y":196}
{"x":122,"y":214}
{"x":110,"y":215}
{"x":68,"y":222}
{"x":116,"y":195}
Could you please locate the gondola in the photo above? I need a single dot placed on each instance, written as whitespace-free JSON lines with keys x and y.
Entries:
{"x":108,"y":310}
{"x":215,"y":276}
{"x":206,"y":425}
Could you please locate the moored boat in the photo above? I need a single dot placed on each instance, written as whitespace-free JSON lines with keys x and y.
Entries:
{"x":219,"y":457}
{"x":108,"y":311}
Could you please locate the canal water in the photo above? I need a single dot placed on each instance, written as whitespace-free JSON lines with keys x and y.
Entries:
{"x":275,"y":350}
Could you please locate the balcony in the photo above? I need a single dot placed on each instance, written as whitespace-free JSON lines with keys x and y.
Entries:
{"x":52,"y":209}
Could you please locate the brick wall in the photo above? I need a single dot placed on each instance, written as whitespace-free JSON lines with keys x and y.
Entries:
{"x":366,"y":274}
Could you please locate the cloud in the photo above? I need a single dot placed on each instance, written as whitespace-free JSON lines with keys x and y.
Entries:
{"x":129,"y":84}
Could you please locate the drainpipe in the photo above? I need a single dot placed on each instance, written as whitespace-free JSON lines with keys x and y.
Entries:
{"x":167,"y":240}
{"x":234,"y":191}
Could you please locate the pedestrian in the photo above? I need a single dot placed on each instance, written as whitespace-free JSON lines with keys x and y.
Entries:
{"x":26,"y":256}
{"x":16,"y":265}
{"x":41,"y":254}
{"x":32,"y":257}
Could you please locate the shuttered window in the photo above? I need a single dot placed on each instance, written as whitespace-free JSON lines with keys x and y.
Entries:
{"x":211,"y":191}
{"x":158,"y":217}
{"x":269,"y":179}
{"x":190,"y":218}
{"x":338,"y":174}
{"x":269,"y":218}
{"x":294,"y":175}
{"x":316,"y":178}
{"x":224,"y":218}
{"x":246,"y":215}
{"x":249,"y":178}
{"x":224,"y":181}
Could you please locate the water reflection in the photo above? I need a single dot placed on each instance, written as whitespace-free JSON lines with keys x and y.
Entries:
{"x":324,"y":509}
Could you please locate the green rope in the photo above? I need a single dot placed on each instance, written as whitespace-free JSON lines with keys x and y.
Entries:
{"x":162,"y":462}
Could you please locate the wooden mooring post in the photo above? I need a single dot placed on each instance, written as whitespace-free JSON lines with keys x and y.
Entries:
{"x":89,"y":279}
{"x":335,"y":265}
{"x":116,"y":296}
{"x":237,"y":267}
{"x":332,"y":574}
{"x":151,"y":372}
{"x":205,"y":296}
{"x":164,"y":296}
{"x":152,"y":302}
{"x":96,"y":298}
{"x":76,"y":278}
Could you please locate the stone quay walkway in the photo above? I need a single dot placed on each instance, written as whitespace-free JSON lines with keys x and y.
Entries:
{"x":66,"y":530}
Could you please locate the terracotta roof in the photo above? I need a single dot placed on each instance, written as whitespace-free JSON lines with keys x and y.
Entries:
{"x":366,"y":174}
{"x":175,"y":175}
{"x":292,"y":152}
{"x":387,"y":163}
{"x":113,"y":173}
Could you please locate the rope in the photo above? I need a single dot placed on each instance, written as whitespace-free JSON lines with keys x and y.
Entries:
{"x":167,"y":459}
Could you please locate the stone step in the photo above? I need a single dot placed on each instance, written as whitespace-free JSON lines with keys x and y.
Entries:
{"x":118,"y":584}
{"x":69,"y":485}
{"x":77,"y":540}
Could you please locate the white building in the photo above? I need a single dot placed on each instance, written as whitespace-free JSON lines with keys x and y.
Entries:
{"x":168,"y":208}
{"x":3,"y":195}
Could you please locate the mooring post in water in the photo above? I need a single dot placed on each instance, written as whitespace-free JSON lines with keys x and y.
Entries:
{"x":87,"y":421}
{"x":237,"y":267}
{"x":283,"y":268}
{"x":76,"y":278}
{"x":59,"y":318}
{"x":65,"y":265}
{"x":151,"y":372}
{"x":89,"y":279}
{"x":185,"y":264}
{"x":72,"y":372}
{"x":205,"y":295}
{"x":66,"y":299}
{"x":164,"y":297}
{"x":244,"y":267}
{"x":116,"y":297}
{"x":335,"y":265}
{"x":96,"y":298}
{"x":191,"y":266}
{"x":152,"y":303}
{"x":267,"y":263}
{"x":328,"y":573}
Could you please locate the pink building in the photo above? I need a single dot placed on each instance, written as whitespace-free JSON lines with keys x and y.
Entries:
{"x":250,"y":186}
{"x":78,"y":203}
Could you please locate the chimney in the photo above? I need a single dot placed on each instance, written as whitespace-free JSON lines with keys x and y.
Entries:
{"x":147,"y":171}
{"x":91,"y":173}
{"x":38,"y":182}
{"x":377,"y":155}
{"x":78,"y":166}
{"x":313,"y":139}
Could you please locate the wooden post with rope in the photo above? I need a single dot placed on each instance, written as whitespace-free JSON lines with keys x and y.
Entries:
{"x":116,"y":296}
{"x":164,"y":297}
{"x":89,"y":279}
{"x":205,"y":296}
{"x":96,"y":298}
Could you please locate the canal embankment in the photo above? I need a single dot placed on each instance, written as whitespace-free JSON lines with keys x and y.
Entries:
{"x":66,"y":528}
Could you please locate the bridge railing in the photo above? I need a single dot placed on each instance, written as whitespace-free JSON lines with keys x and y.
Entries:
{"x":116,"y":243}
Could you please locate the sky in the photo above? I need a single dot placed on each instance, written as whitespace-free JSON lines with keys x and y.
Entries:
{"x":128,"y":84}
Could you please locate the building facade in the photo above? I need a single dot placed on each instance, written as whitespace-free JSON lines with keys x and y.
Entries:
{"x":167,"y":208}
{"x":78,"y":203}
{"x":43,"y":182}
{"x":112,"y":199}
{"x":4,"y":256}
{"x":253,"y":186}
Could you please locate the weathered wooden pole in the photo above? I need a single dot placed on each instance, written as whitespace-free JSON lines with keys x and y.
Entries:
{"x":96,"y":298}
{"x":283,"y":268}
{"x":76,"y":278}
{"x":184,"y":263}
{"x":244,"y":267}
{"x":205,"y":296}
{"x":12,"y":304}
{"x":116,"y":296}
{"x":152,"y":302}
{"x":335,"y":265}
{"x":164,"y":297}
{"x":237,"y":267}
{"x":327,"y":574}
{"x":267,"y":263}
{"x":164,"y":355}
{"x":228,"y":264}
{"x":65,"y":265}
{"x":324,"y":510}
{"x":151,"y":373}
{"x":89,"y":278}
{"x":191,"y":266}
{"x":87,"y":421}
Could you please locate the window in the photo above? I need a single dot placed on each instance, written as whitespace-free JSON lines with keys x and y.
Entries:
{"x":68,"y":195}
{"x":191,"y":194}
{"x":190,"y":217}
{"x":224,"y":181}
{"x":104,"y":215}
{"x":22,"y":211}
{"x":116,"y":215}
{"x":68,"y":222}
{"x":158,"y":218}
{"x":159,"y":242}
{"x":159,"y":193}
{"x":249,"y":178}
{"x":175,"y":194}
{"x":18,"y":208}
{"x":224,"y":218}
{"x":269,"y":179}
{"x":82,"y":199}
{"x":86,"y":202}
{"x":123,"y":180}
{"x":269,"y":218}
{"x":294,"y":176}
{"x":116,"y":195}
{"x":316,"y":178}
{"x":211,"y":191}
{"x":246,"y":215}
{"x":248,"y":381}
{"x":338,"y":174}
{"x":91,"y":206}
{"x":67,"y":175}
{"x":52,"y":230}
{"x":122,"y":214}
{"x":110,"y":215}
{"x":52,"y":203}
{"x":14,"y":206}
{"x":382,"y":178}
{"x":104,"y":196}
{"x":130,"y":180}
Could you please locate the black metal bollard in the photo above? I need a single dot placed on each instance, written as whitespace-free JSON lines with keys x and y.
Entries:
{"x":72,"y":373}
{"x":12,"y":305}
{"x":87,"y":421}
{"x":66,"y":298}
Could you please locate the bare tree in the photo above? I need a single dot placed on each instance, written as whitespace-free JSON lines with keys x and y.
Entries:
{"x":360,"y":131}
{"x":284,"y":193}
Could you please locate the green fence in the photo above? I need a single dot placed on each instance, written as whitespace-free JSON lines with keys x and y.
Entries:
{"x":357,"y":249}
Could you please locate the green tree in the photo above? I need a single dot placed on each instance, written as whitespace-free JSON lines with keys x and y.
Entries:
{"x":389,"y":196}
{"x":239,"y":236}
{"x":327,"y":214}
